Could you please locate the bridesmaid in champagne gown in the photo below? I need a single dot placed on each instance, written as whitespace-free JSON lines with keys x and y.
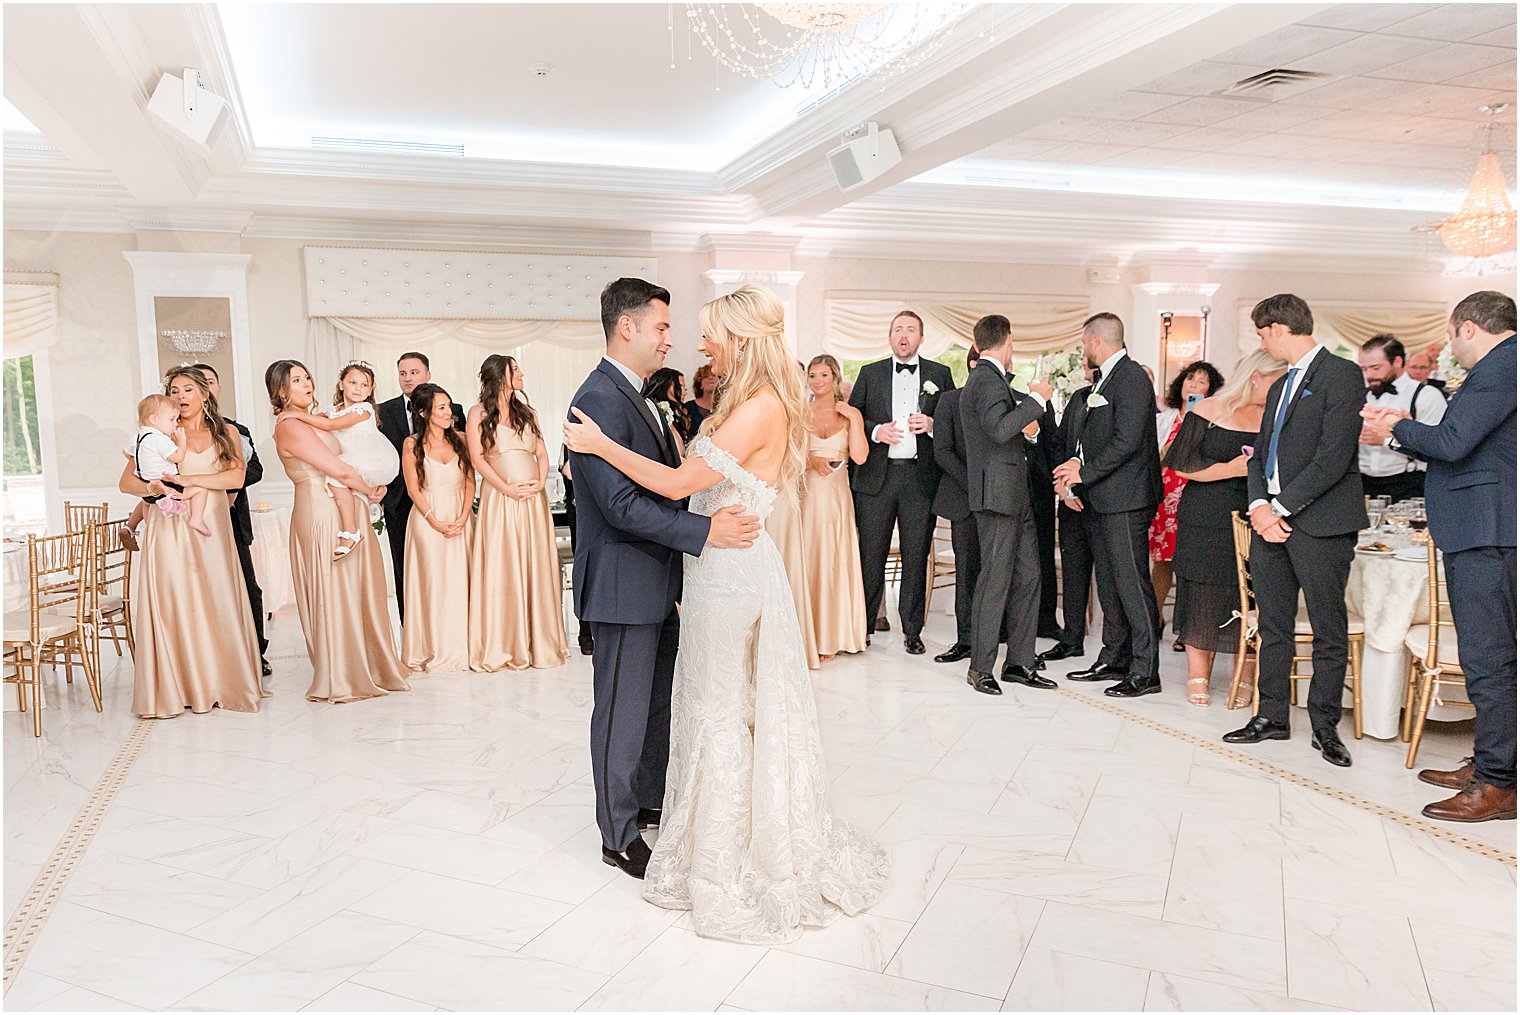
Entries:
{"x":341,"y":602}
{"x":831,"y":546}
{"x":196,"y":646}
{"x":785,"y":528}
{"x":516,"y":592}
{"x":435,"y":637}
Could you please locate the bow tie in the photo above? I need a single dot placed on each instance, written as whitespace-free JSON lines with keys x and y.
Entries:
{"x":1382,"y":388}
{"x":905,"y":368}
{"x":1097,"y":375}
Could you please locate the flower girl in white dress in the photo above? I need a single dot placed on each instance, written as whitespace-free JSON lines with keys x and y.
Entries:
{"x":352,"y":423}
{"x":747,"y":841}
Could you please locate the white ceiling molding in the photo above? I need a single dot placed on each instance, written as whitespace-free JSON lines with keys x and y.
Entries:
{"x":376,"y":282}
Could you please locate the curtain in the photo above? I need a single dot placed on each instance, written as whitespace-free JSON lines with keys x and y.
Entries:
{"x":1418,"y":327}
{"x":31,"y":318}
{"x":555,"y":356}
{"x":857,"y":328}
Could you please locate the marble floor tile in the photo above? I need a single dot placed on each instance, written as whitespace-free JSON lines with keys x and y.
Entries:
{"x":490,"y":916}
{"x":1219,"y":956}
{"x":968,"y":939}
{"x":152,"y":893}
{"x":464,"y":975}
{"x":571,"y":872}
{"x":451,"y":812}
{"x":1170,"y":992}
{"x":1488,"y":954}
{"x":543,"y":826}
{"x":916,"y":820}
{"x":1416,"y":854}
{"x":1126,"y":834}
{"x":1061,"y":881}
{"x":303,"y":969}
{"x":352,"y":997}
{"x":1351,"y":958}
{"x":678,"y":972}
{"x":485,"y":861}
{"x":1445,"y":900}
{"x":268,"y":863}
{"x":1455,"y":992}
{"x":1051,"y":981}
{"x":1239,"y":891}
{"x":605,"y":932}
{"x":865,"y":941}
{"x":919,"y":867}
{"x":783,"y":982}
{"x":138,"y":964}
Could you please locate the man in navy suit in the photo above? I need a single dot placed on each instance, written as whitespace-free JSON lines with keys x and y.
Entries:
{"x":1306,"y":509}
{"x":1470,"y":501}
{"x":627,"y":577}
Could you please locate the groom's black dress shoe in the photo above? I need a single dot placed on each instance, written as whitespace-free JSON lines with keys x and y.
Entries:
{"x":960,"y":650}
{"x":1100,"y":671}
{"x":1061,"y":651}
{"x":983,"y":682}
{"x":1129,"y":687}
{"x":634,"y":863}
{"x":585,"y":642}
{"x":1257,"y":730}
{"x":1329,"y":745}
{"x":649,"y":817}
{"x":1017,"y":674}
{"x":913,"y":644}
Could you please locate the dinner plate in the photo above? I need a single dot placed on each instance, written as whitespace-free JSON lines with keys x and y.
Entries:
{"x":1376,"y":553}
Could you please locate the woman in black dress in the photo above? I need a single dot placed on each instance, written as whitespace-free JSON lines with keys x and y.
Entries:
{"x":1208,"y":452}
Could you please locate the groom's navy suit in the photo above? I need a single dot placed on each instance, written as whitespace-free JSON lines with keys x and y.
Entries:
{"x":628,"y":547}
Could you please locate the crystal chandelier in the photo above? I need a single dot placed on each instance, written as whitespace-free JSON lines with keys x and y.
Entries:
{"x":193,"y":342}
{"x":820,"y":43}
{"x":1485,"y":224}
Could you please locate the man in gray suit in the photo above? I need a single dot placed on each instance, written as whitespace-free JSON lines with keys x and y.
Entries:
{"x":997,"y":486}
{"x":628,"y":549}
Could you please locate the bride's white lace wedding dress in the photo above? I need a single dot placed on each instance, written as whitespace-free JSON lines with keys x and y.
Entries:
{"x":747,"y":841}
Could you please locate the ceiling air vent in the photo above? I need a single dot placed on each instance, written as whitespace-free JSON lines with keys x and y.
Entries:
{"x":1272,"y":84}
{"x":397,"y":146}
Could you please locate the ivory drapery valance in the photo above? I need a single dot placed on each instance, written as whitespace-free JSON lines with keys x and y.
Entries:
{"x":31,"y":318}
{"x":1418,"y":327}
{"x":857,"y":328}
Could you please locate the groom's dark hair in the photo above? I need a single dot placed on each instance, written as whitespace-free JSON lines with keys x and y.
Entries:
{"x":628,"y":296}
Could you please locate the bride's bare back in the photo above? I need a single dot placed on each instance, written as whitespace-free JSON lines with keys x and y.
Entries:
{"x":755,"y":433}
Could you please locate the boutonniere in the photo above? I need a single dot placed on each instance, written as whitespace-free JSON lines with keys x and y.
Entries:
{"x":1094,"y":400}
{"x":929,"y":388}
{"x":668,"y":413}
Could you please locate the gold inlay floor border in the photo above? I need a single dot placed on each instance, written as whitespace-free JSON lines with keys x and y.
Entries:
{"x":36,"y":906}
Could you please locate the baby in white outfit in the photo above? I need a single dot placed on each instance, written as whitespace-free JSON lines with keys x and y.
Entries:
{"x":156,"y":451}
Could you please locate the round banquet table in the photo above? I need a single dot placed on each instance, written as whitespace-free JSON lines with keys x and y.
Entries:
{"x":271,"y":556}
{"x":1390,"y":594}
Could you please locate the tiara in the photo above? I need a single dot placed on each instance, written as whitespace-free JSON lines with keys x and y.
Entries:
{"x":360,"y":363}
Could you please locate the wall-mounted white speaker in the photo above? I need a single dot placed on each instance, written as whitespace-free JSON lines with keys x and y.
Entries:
{"x":187,"y":109}
{"x":865,"y":155}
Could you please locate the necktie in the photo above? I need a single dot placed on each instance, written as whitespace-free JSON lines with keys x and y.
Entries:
{"x":906,"y":368}
{"x":1277,"y":424}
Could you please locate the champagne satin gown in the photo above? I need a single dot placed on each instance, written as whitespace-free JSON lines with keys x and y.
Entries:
{"x":516,"y":593}
{"x":341,"y":603}
{"x":196,"y":646}
{"x":435,"y":637}
{"x":831,"y":551}
{"x":785,"y":528}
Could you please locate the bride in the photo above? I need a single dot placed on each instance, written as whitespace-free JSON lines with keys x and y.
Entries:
{"x":747,"y":840}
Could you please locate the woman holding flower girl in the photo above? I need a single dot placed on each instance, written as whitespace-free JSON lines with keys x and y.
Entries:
{"x":516,"y":617}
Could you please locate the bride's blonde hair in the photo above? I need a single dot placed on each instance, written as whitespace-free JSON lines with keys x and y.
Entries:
{"x":749,"y":323}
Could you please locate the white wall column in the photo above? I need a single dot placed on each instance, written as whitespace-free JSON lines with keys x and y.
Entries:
{"x":722,"y":281}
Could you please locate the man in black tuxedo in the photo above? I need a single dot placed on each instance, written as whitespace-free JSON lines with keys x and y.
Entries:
{"x":395,"y":421}
{"x":1044,"y":452}
{"x":895,"y":485}
{"x":997,"y":487}
{"x":951,"y":504}
{"x":242,"y":523}
{"x":1470,"y":501}
{"x":1117,"y":474}
{"x":1076,"y":544}
{"x":1306,"y":509}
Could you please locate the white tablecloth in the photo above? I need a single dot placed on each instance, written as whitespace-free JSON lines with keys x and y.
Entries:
{"x":16,"y":577}
{"x":271,"y":557}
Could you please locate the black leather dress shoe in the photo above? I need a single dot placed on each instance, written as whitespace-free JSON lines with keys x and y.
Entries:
{"x":649,"y":817}
{"x":913,"y":645}
{"x":1131,"y":688}
{"x":1061,"y":651}
{"x":585,"y":643}
{"x":1017,"y":674}
{"x":1100,"y":671}
{"x":264,"y":667}
{"x":633,"y":863}
{"x":960,"y":650}
{"x":983,"y":682}
{"x":1329,"y":745}
{"x":1257,"y":730}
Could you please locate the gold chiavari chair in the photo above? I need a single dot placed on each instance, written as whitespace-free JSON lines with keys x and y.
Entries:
{"x":111,"y":609}
{"x":1434,"y":662}
{"x":55,"y":626}
{"x":1249,"y":643}
{"x":941,"y":562}
{"x":76,"y":516}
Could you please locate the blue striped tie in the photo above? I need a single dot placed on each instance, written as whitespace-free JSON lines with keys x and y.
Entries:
{"x":1277,"y":425}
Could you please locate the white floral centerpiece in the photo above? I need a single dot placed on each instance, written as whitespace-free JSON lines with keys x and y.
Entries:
{"x":1066,"y":371}
{"x":1451,"y":368}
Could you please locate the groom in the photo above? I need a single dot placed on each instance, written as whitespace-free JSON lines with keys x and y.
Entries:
{"x":628,"y":550}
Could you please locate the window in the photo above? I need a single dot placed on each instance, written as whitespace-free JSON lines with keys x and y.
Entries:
{"x":25,"y":485}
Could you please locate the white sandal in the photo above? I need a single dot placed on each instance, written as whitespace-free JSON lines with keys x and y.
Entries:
{"x":343,"y":551}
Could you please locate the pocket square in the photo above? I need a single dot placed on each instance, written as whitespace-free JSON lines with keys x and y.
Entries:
{"x":1095,"y":400}
{"x":1306,"y":393}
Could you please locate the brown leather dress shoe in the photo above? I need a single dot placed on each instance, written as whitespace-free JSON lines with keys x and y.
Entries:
{"x":1454,"y":779}
{"x":1478,"y":801}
